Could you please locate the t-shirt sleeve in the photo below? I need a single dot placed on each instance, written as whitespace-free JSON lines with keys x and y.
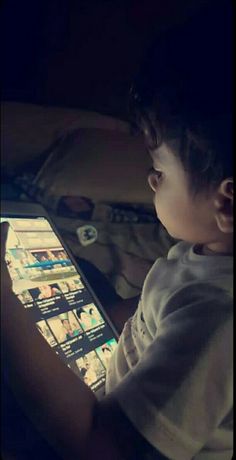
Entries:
{"x":181,"y":389}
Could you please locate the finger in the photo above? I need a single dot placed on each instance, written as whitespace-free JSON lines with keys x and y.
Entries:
{"x":4,"y":233}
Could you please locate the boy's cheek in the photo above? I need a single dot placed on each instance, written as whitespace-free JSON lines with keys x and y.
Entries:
{"x":171,"y":218}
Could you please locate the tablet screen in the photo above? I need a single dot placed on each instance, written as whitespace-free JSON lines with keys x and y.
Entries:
{"x":54,"y":293}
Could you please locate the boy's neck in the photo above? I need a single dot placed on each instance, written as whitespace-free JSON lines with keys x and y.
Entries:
{"x":219,"y":249}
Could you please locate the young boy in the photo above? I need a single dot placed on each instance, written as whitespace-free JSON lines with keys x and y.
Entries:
{"x":169,"y":383}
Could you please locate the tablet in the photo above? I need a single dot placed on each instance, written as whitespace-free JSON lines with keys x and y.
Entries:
{"x":56,"y":294}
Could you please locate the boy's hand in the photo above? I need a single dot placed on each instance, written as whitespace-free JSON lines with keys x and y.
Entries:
{"x":6,"y":282}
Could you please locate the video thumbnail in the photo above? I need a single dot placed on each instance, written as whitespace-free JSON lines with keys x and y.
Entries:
{"x":46,"y":333}
{"x":91,"y":368}
{"x":64,"y":326}
{"x":25,"y":297}
{"x":71,"y":285}
{"x":89,"y":316}
{"x":45,"y":291}
{"x":106,"y":350}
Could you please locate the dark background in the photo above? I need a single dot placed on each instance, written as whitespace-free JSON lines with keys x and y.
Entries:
{"x":81,"y":53}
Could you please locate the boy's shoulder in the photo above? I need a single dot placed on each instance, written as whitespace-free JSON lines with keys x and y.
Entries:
{"x":185,"y":278}
{"x":187,"y":260}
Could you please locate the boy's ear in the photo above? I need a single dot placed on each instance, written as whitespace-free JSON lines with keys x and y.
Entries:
{"x":224,"y":203}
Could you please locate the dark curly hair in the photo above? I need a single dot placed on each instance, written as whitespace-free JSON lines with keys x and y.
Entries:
{"x":183,"y":91}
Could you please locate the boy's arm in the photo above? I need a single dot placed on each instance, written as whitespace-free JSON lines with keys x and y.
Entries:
{"x":121,"y":311}
{"x":60,"y":405}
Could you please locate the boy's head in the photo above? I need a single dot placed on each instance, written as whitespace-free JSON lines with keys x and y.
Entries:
{"x":182,"y":102}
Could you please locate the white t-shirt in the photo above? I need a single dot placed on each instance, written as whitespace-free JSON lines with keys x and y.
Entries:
{"x":172,"y":370}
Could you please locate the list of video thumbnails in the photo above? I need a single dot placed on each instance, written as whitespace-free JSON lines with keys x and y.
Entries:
{"x":49,"y":286}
